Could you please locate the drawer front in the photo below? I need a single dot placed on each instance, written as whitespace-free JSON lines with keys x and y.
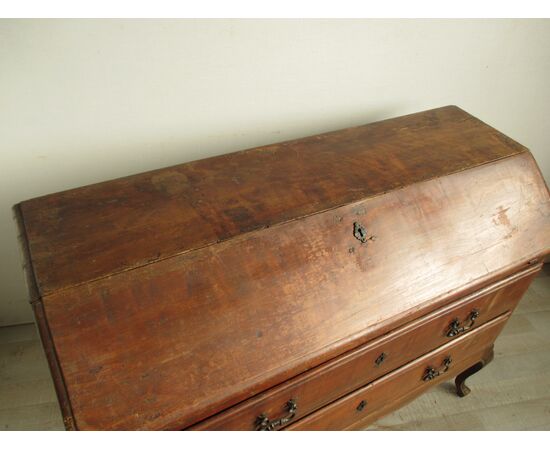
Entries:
{"x":315,"y":388}
{"x":365,"y":405}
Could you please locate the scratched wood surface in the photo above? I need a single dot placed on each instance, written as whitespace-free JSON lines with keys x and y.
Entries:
{"x":511,"y":393}
{"x":219,"y":324}
{"x":132,"y":221}
{"x":271,"y":297}
{"x":339,"y":377}
{"x":386,"y":393}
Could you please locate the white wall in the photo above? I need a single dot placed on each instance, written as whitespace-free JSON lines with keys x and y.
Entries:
{"x":89,"y":100}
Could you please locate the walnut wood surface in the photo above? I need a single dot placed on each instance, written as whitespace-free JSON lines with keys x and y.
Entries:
{"x":225,"y":322}
{"x":401,"y":384}
{"x":53,"y":362}
{"x":94,"y":231}
{"x":394,"y":403}
{"x":334,"y":379}
{"x":166,"y":345}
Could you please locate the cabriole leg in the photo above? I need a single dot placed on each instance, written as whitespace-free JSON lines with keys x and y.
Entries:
{"x":461,"y":389}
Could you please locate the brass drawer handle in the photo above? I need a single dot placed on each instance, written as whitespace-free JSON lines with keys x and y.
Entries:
{"x":432,"y":373}
{"x":455,"y":328}
{"x":264,"y":424}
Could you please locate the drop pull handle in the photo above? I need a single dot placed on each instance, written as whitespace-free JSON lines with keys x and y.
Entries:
{"x":432,"y":372}
{"x":455,"y":328}
{"x":263,"y":423}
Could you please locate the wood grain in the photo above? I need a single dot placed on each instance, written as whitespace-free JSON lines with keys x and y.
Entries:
{"x":204,"y":326}
{"x":510,"y":394}
{"x":135,"y":220}
{"x":338,"y":377}
{"x":404,"y":383}
{"x":167,"y":297}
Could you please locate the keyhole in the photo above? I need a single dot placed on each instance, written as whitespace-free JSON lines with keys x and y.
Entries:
{"x":360,"y":232}
{"x":380,"y":359}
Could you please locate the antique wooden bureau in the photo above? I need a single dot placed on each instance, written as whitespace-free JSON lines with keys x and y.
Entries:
{"x":308,"y":285}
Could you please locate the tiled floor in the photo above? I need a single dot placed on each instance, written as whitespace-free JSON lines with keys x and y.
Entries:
{"x":511,"y":393}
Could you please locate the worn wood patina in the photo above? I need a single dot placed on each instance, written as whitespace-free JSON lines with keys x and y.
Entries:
{"x":258,"y":289}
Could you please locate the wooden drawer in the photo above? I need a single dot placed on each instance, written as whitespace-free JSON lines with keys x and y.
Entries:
{"x":365,"y":405}
{"x":346,"y":373}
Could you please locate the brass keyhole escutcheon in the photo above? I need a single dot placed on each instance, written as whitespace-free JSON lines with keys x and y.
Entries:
{"x":361,"y":405}
{"x":360,"y":233}
{"x":380,"y":359}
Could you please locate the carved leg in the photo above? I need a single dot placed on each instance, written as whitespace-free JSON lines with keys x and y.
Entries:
{"x":461,"y":389}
